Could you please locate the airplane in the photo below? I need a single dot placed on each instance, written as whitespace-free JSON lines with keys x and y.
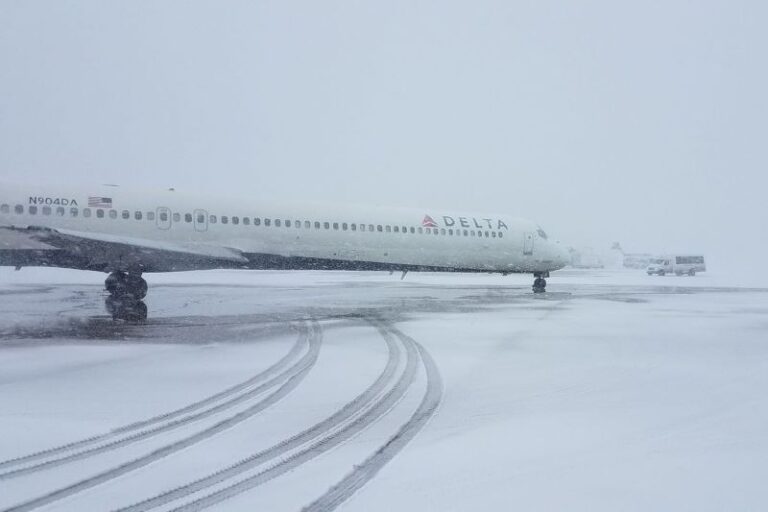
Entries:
{"x":127,"y":233}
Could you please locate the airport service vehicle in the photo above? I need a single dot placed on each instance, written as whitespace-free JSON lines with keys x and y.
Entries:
{"x":126,"y":233}
{"x":679,"y":264}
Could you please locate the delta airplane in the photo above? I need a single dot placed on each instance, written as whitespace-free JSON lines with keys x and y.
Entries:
{"x":125,"y":233}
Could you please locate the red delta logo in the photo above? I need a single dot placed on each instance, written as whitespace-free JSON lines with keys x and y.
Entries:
{"x":428,"y":222}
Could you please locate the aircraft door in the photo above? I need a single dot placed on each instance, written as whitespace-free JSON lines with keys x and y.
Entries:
{"x":528,"y":243}
{"x":163,"y":218}
{"x":201,"y":220}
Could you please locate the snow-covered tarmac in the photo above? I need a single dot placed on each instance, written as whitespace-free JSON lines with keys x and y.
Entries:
{"x":283,"y":390}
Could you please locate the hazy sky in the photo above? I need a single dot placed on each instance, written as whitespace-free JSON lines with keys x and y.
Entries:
{"x":643,"y":122}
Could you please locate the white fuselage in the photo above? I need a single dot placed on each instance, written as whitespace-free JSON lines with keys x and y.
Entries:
{"x":258,"y":230}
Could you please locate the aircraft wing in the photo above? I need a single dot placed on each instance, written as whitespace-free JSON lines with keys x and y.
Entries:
{"x":102,"y":251}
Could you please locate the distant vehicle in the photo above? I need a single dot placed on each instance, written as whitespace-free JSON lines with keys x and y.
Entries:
{"x":678,"y":264}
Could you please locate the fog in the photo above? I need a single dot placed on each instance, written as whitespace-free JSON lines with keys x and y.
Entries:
{"x":642,"y":123}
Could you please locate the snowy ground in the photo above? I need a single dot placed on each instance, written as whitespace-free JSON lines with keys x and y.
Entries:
{"x":613,"y":391}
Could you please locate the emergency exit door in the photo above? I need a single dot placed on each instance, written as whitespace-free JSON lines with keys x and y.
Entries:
{"x":163,"y":218}
{"x":528,"y":243}
{"x":201,"y":220}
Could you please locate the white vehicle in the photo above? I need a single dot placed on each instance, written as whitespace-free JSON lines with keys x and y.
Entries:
{"x":679,"y":264}
{"x":126,"y":233}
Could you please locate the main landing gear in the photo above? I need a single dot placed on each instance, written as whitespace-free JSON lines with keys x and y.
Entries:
{"x":121,"y":284}
{"x":539,"y":283}
{"x":125,"y":293}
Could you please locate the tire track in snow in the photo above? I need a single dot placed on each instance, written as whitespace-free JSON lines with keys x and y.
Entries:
{"x":295,"y":374}
{"x":365,"y":472}
{"x":377,"y":410}
{"x":322,"y":429}
{"x":273,"y":370}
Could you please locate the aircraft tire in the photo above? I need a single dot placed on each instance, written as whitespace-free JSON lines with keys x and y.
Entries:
{"x":137,"y":287}
{"x":115,"y":284}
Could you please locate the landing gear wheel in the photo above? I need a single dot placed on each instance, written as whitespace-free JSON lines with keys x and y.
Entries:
{"x":692,"y":272}
{"x":115,"y":284}
{"x":539,"y":285}
{"x":126,"y":308}
{"x":120,"y":284}
{"x":136,"y":286}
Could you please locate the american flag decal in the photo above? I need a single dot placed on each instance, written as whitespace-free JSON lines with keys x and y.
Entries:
{"x":428,"y":222}
{"x":100,"y":202}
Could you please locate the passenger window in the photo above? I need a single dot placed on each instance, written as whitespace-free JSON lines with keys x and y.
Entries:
{"x":493,"y":234}
{"x":450,"y":232}
{"x":413,"y":230}
{"x":317,"y":225}
{"x":297,"y":223}
{"x":86,"y":212}
{"x":428,"y":231}
{"x":336,"y":225}
{"x":267,"y":222}
{"x":379,"y":228}
{"x":18,"y":209}
{"x":73,"y":212}
{"x":112,"y":214}
{"x":397,"y":229}
{"x":501,"y":234}
{"x":287,"y":223}
{"x":137,"y":215}
{"x":442,"y":231}
{"x":126,"y":214}
{"x":353,"y":227}
{"x":421,"y":230}
{"x":466,"y":233}
{"x":388,"y":229}
{"x":33,"y":210}
{"x":200,"y":218}
{"x":277,"y":223}
{"x":405,"y":229}
{"x":235,"y":220}
{"x":212,"y":219}
{"x":370,"y":227}
{"x":224,"y":219}
{"x":150,"y":216}
{"x":163,"y":216}
{"x":257,"y":221}
{"x":307,"y":224}
{"x":362,"y":227}
{"x":176,"y":217}
{"x":100,"y":213}
{"x":435,"y":231}
{"x":46,"y":210}
{"x":60,"y":211}
{"x":247,"y":221}
{"x":5,"y":209}
{"x":344,"y":226}
{"x":188,"y":217}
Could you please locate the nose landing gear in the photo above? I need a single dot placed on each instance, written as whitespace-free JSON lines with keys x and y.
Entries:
{"x":540,"y":284}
